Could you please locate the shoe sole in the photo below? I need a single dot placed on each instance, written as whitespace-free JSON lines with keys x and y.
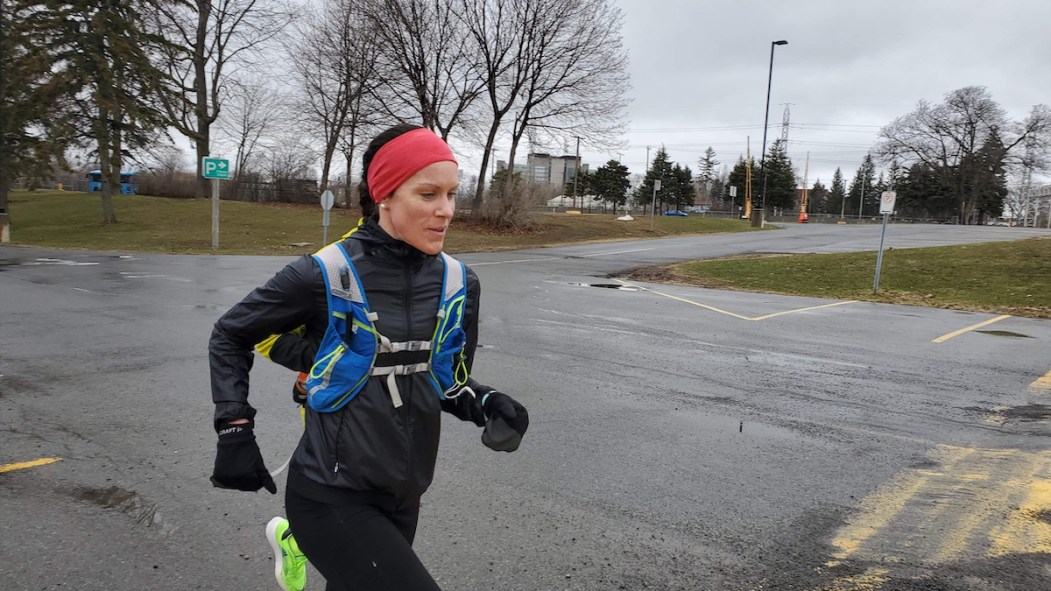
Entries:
{"x":271,"y":538}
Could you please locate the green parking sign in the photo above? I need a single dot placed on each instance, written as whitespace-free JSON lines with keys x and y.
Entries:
{"x":215,"y":168}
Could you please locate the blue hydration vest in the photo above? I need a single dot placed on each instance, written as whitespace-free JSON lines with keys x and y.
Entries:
{"x":346,"y":358}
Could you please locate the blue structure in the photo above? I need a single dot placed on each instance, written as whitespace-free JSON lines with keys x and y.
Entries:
{"x":127,"y":187}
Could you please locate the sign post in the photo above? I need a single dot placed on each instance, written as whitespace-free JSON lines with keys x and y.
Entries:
{"x":216,"y":169}
{"x":653,"y":205}
{"x":327,"y":200}
{"x":886,"y":207}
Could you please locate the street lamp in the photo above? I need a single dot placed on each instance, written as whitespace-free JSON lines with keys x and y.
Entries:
{"x":756,"y":219}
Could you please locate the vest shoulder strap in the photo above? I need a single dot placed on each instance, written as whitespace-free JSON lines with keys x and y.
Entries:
{"x":341,"y":278}
{"x":455,"y":279}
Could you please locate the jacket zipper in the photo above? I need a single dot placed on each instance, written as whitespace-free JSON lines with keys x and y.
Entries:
{"x":339,"y":431}
{"x":408,"y":399}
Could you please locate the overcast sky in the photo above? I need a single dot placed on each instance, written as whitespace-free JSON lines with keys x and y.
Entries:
{"x":699,"y":71}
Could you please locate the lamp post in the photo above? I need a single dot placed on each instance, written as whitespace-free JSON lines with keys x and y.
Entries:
{"x":757,"y":219}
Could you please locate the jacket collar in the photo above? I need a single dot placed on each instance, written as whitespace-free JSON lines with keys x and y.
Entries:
{"x":378,"y":241}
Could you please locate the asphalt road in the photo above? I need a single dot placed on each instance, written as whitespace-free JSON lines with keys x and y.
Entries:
{"x":681,"y":438}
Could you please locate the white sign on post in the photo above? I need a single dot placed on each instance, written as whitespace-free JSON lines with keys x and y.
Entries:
{"x":327,"y":200}
{"x":886,"y":202}
{"x":733,"y":190}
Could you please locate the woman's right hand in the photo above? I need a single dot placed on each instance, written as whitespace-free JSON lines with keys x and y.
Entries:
{"x":238,"y":462}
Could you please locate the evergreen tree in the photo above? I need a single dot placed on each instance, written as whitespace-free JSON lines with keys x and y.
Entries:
{"x":110,"y":68}
{"x":680,"y":191}
{"x":660,"y":169}
{"x":862,"y":190}
{"x":707,"y":174}
{"x":737,"y":179}
{"x":34,"y":119}
{"x":780,"y":180}
{"x":837,"y":195}
{"x":717,"y":192}
{"x":610,"y":183}
{"x":817,"y":196}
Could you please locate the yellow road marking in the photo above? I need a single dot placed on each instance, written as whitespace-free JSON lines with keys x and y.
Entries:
{"x":24,"y":465}
{"x":870,"y":580}
{"x":804,"y":309}
{"x":1041,"y":385}
{"x":890,"y":500}
{"x":738,"y":316}
{"x":957,"y":333}
{"x":1027,"y":529}
{"x":977,"y":503}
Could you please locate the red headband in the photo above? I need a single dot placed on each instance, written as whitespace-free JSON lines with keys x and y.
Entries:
{"x":403,"y":157}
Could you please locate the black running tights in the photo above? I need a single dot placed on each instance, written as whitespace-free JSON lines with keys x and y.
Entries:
{"x":363,"y":545}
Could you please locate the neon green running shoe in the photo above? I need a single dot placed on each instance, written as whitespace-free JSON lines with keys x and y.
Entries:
{"x":290,"y":565}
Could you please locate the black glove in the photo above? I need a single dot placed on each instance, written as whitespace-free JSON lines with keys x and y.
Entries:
{"x":506,"y":421}
{"x":238,"y":463}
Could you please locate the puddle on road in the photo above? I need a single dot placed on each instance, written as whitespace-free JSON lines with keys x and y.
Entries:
{"x":1005,"y":333}
{"x":607,"y":286}
{"x":124,"y":501}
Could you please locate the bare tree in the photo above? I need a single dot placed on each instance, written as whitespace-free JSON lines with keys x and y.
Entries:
{"x":964,"y":141}
{"x":209,"y":38}
{"x":577,"y":79}
{"x":334,"y":63}
{"x":426,"y":69}
{"x":497,"y":29}
{"x":252,"y":111}
{"x":289,"y":168}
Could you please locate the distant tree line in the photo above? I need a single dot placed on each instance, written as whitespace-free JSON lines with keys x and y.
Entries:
{"x":947,"y":161}
{"x":113,"y":76}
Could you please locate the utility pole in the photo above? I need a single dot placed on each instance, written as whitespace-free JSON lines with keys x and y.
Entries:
{"x":758,"y":221}
{"x":576,"y":175}
{"x":861,"y":200}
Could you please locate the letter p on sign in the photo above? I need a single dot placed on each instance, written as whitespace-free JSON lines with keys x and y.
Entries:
{"x":886,"y":202}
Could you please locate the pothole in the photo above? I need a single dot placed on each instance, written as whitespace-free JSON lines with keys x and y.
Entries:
{"x":124,"y":501}
{"x":1005,"y":333}
{"x":1032,"y":412}
{"x":607,"y":286}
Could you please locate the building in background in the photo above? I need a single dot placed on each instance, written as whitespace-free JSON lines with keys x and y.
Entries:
{"x":547,"y":169}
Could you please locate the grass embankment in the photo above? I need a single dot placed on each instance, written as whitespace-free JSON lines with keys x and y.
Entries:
{"x":66,"y":219}
{"x":1002,"y":277}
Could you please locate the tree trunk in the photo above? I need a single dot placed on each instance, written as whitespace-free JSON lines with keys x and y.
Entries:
{"x":476,"y":204}
{"x":200,"y":83}
{"x":326,"y":166}
{"x":104,"y":135}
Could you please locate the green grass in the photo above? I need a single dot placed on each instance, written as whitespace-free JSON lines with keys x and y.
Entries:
{"x":66,"y":219}
{"x":1010,"y":277}
{"x":1002,"y":277}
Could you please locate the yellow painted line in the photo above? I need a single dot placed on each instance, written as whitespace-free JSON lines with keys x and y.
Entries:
{"x":804,"y":309}
{"x":894,"y":498}
{"x":720,"y":311}
{"x":957,"y":333}
{"x":1041,"y":385}
{"x":1026,"y":529}
{"x":870,"y":580}
{"x":24,"y":465}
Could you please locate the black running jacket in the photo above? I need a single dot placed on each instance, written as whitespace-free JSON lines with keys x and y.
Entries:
{"x":368,"y":444}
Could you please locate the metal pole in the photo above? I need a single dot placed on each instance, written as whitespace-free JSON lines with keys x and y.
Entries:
{"x":757,"y":219}
{"x":653,"y":204}
{"x":576,"y":175}
{"x":215,"y":214}
{"x":879,"y":257}
{"x":861,"y":200}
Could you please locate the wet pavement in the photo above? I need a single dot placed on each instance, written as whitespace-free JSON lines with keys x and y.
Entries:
{"x":681,"y":438}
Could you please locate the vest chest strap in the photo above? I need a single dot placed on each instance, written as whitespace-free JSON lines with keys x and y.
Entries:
{"x":398,"y":370}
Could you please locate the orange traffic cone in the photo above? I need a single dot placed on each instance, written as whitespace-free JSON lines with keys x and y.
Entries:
{"x":803,"y":217}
